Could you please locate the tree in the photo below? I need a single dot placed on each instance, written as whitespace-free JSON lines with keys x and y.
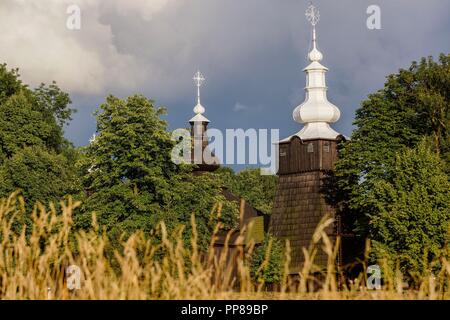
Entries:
{"x":127,"y":167}
{"x":413,"y":104}
{"x":23,"y":125}
{"x":34,"y":155}
{"x":202,"y":196}
{"x":53,"y":103}
{"x":258,"y":190}
{"x":10,"y":83}
{"x":31,"y":117}
{"x":131,"y":180}
{"x":40,"y":175}
{"x":410,"y":222}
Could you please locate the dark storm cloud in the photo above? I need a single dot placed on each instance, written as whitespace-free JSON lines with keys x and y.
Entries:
{"x":251,"y":52}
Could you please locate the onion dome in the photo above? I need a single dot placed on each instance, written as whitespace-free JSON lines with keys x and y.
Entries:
{"x":316,"y":112}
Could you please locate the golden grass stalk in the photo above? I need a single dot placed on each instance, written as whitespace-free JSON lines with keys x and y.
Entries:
{"x":34,"y":265}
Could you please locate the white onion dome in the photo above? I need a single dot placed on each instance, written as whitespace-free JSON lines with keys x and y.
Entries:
{"x":199,"y":117}
{"x":316,"y":112}
{"x":315,"y":55}
{"x":199,"y":109}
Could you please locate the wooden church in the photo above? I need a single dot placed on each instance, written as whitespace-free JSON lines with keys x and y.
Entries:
{"x":305,"y":159}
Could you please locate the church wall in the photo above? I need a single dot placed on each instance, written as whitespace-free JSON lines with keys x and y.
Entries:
{"x":302,"y":156}
{"x":299,"y":204}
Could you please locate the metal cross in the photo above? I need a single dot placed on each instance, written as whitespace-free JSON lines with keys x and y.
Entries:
{"x":312,"y":14}
{"x":199,"y":79}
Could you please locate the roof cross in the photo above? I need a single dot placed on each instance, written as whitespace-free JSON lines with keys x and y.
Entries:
{"x":199,"y":79}
{"x":312,"y":14}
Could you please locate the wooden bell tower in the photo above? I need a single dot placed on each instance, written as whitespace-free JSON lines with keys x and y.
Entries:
{"x":199,"y":126}
{"x":304,"y":160}
{"x":300,"y":203}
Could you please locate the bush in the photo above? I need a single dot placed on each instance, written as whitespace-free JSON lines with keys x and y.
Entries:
{"x":267,"y":261}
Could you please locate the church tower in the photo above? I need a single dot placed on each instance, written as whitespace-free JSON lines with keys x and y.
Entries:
{"x":252,"y":222}
{"x":199,"y":126}
{"x":304,"y":160}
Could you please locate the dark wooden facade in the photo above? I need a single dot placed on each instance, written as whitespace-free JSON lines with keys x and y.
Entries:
{"x":297,"y":156}
{"x":300,"y":204}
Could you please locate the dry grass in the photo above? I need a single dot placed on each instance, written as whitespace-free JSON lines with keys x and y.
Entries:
{"x":33,"y":266}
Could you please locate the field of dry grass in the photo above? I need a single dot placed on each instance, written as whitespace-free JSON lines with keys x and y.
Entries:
{"x":34,"y":266}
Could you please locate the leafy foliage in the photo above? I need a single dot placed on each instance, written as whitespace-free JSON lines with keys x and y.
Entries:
{"x":258,"y":190}
{"x":411,"y":217}
{"x":267,"y":261}
{"x":414,"y":103}
{"x":202,"y":197}
{"x":34,"y":155}
{"x":39,"y":174}
{"x":10,"y":83}
{"x":132,"y":182}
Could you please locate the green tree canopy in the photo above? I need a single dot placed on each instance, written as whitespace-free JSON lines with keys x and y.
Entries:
{"x":131,"y":180}
{"x":34,"y":155}
{"x":410,"y":222}
{"x":413,"y":104}
{"x":31,"y":117}
{"x":40,"y":175}
{"x":258,"y":190}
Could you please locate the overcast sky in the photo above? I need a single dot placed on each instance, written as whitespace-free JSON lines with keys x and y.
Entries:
{"x":251,"y":51}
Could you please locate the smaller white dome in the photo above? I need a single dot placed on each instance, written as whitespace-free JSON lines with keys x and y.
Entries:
{"x":315,"y":55}
{"x":199,"y":109}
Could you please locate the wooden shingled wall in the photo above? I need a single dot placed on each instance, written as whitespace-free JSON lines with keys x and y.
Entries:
{"x":299,"y":204}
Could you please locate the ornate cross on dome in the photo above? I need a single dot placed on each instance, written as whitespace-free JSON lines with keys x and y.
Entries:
{"x":199,"y":79}
{"x":312,"y":14}
{"x":199,"y":109}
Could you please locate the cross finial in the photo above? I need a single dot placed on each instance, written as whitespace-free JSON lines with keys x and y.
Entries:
{"x":92,"y":139}
{"x":312,"y":14}
{"x":199,"y":79}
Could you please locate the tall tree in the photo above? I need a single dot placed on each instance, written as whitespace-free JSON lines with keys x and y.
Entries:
{"x":31,"y":117}
{"x":41,"y":176}
{"x":410,"y":222}
{"x":130,"y":178}
{"x":34,"y":155}
{"x":413,"y":104}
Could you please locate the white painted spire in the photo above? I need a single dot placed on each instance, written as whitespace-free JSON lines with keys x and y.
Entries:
{"x":199,"y":109}
{"x":316,"y":112}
